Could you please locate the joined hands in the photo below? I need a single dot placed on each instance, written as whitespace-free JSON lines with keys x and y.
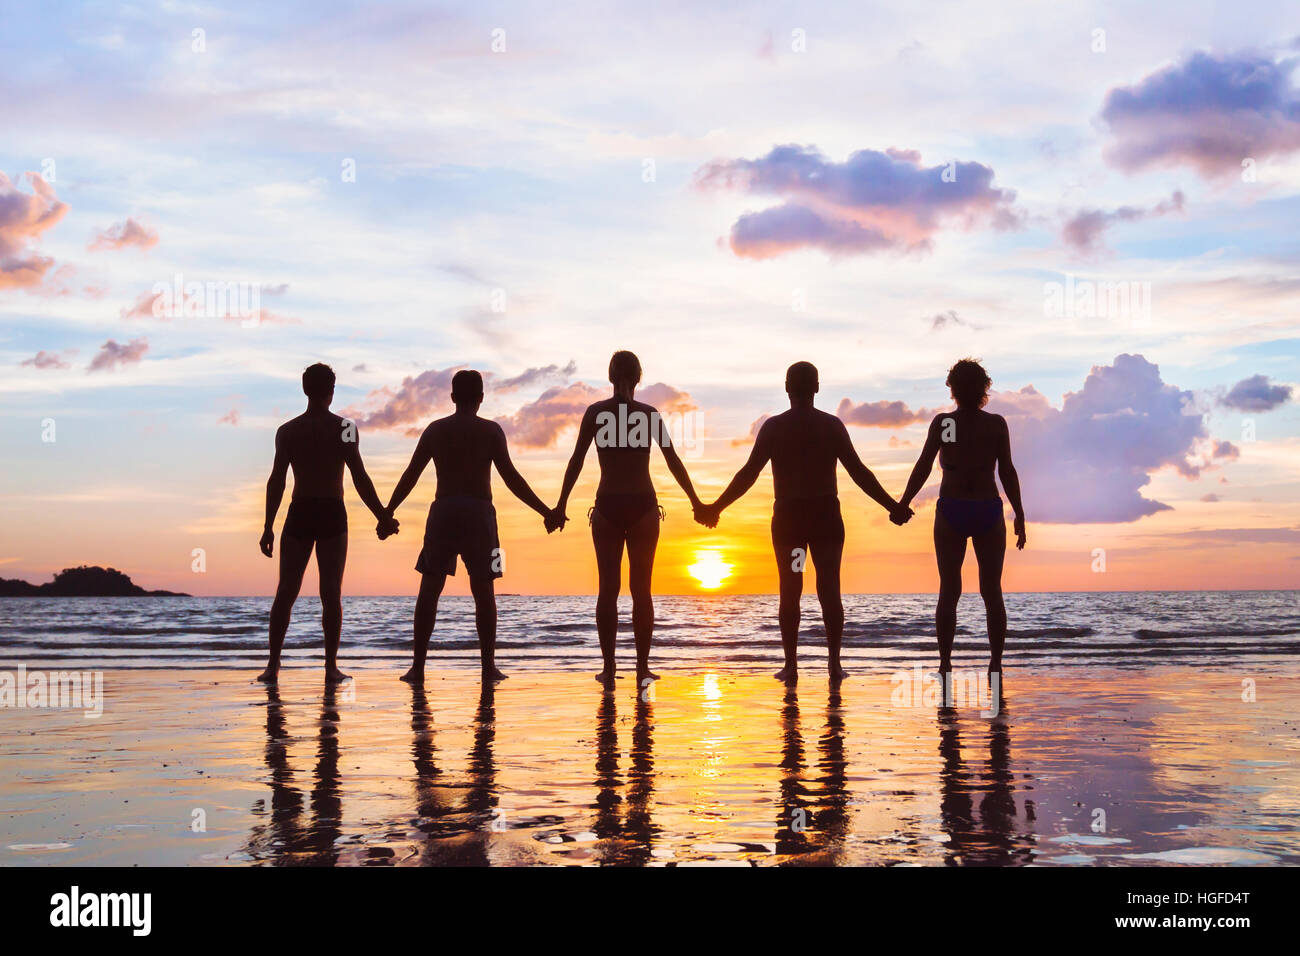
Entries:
{"x":707,"y":515}
{"x":554,"y":520}
{"x":900,"y":514}
{"x":387,"y":525}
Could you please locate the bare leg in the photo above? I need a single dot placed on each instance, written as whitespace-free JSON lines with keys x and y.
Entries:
{"x":826,"y":555}
{"x":485,"y":620}
{"x":990,"y":552}
{"x":294,"y":555}
{"x":642,"y":538}
{"x":791,"y":589}
{"x":331,"y":556}
{"x":608,"y":542}
{"x":949,"y":552}
{"x":426,"y":612}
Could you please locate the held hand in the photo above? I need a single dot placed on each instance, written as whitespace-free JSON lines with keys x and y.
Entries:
{"x":267,"y":544}
{"x":901,"y":514}
{"x":1019,"y":527}
{"x":707,"y":515}
{"x":554,"y":520}
{"x":386,"y":526}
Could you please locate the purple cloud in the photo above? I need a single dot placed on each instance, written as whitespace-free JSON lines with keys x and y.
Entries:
{"x":1083,"y":231}
{"x":872,"y":202}
{"x":1088,"y":461}
{"x":1208,"y":111}
{"x":111,"y":355}
{"x":1256,"y":394}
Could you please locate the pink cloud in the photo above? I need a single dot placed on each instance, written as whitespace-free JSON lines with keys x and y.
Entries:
{"x":112,"y":356}
{"x":23,"y":218}
{"x":538,"y":424}
{"x":46,"y":360}
{"x":753,"y":433}
{"x":123,"y":234}
{"x":143,"y":307}
{"x":881,"y":414}
{"x":422,"y":396}
{"x":872,"y":202}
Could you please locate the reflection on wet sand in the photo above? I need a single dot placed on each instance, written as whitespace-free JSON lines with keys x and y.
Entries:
{"x":814,"y":822}
{"x":457,"y":832}
{"x":625,"y":825}
{"x":989,"y":835}
{"x":284,"y":839}
{"x":713,"y":769}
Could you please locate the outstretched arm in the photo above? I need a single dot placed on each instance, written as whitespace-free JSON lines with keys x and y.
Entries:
{"x":420,"y":458}
{"x":674,"y":462}
{"x":274,"y":494}
{"x":860,"y":473}
{"x":586,"y":434}
{"x":749,"y":471}
{"x":924,"y":464}
{"x":1011,"y":482}
{"x":510,"y":475}
{"x":360,"y":479}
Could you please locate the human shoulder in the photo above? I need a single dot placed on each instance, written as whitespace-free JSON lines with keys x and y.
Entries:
{"x":290,"y":428}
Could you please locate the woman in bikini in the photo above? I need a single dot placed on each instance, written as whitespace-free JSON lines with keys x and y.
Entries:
{"x":970,"y":442}
{"x":626,"y":510}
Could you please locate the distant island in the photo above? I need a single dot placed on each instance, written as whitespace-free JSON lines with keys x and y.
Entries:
{"x":82,"y":582}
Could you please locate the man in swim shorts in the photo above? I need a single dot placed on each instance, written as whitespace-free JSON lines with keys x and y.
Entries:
{"x":804,"y":445}
{"x":462,"y":521}
{"x":316,"y":445}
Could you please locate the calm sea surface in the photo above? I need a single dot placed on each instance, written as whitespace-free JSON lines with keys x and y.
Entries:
{"x":1124,"y":629}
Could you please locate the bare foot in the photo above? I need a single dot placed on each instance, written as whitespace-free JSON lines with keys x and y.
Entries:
{"x":491,"y":673}
{"x":789,"y":674}
{"x":643,"y":674}
{"x":268,"y":676}
{"x":414,"y":676}
{"x":335,"y":676}
{"x":606,"y":676}
{"x":838,"y":673}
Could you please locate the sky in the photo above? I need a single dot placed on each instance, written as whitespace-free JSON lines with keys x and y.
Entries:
{"x":1097,"y":201}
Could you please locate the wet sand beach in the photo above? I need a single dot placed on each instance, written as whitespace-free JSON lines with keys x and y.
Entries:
{"x":1164,"y":765}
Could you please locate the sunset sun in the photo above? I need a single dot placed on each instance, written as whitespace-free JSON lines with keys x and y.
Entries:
{"x":709,"y":569}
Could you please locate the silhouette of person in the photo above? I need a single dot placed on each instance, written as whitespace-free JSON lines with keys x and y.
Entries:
{"x":626,"y":511}
{"x":804,"y":444}
{"x":316,"y":445}
{"x":462,"y":520}
{"x":970,"y":442}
